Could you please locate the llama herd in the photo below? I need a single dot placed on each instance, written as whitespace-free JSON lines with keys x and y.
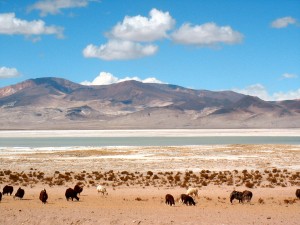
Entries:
{"x":71,"y":193}
{"x":187,"y":199}
{"x":10,"y":189}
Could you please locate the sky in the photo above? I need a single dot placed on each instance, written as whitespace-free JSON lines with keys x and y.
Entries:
{"x":251,"y":47}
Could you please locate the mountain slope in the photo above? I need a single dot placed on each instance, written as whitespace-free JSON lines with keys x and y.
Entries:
{"x":55,"y":103}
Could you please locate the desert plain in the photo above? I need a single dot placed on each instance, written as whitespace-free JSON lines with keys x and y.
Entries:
{"x":138,"y":178}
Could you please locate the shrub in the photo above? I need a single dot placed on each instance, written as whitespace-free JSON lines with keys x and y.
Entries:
{"x":7,"y":172}
{"x":177,"y":178}
{"x":150,"y":173}
{"x":258,"y":177}
{"x":170,"y":178}
{"x":244,"y":171}
{"x":98,"y":177}
{"x":124,"y":178}
{"x":111,"y":178}
{"x":91,"y":182}
{"x":249,"y":185}
{"x":59,"y":182}
{"x":204,"y":183}
{"x":155,"y":177}
{"x":272,"y":180}
{"x":40,"y":176}
{"x":14,"y":177}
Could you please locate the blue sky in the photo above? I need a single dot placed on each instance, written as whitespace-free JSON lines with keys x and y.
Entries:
{"x":252,"y":47}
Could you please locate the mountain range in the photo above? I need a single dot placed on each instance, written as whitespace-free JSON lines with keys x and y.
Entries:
{"x":55,"y":103}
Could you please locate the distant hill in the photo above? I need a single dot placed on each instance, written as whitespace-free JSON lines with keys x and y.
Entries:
{"x":55,"y":103}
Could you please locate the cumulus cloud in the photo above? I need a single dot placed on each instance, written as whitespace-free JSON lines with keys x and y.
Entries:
{"x":260,"y":91}
{"x":55,"y":6}
{"x":119,"y":50}
{"x":126,"y":40}
{"x":208,"y":34}
{"x":290,"y":95}
{"x":10,"y":25}
{"x":6,"y":72}
{"x":152,"y":80}
{"x":147,"y":80}
{"x":105,"y":78}
{"x":255,"y":90}
{"x":283,"y":22}
{"x":289,"y":76}
{"x":143,"y":29}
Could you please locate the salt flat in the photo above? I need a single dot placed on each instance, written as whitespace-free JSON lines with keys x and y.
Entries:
{"x":163,"y":158}
{"x":151,"y":133}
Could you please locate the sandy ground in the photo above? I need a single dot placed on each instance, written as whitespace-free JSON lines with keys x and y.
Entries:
{"x":138,"y":179}
{"x":132,"y":205}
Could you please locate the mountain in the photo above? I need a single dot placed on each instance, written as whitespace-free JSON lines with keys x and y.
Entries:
{"x":55,"y":103}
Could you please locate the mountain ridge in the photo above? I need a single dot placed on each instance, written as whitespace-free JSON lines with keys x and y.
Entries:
{"x":56,"y":103}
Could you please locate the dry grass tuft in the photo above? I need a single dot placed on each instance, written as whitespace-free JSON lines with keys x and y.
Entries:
{"x":289,"y":201}
{"x":261,"y":201}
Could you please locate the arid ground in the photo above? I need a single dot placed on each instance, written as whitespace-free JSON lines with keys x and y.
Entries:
{"x":138,"y":178}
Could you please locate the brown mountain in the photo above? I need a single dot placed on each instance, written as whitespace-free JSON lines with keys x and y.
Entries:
{"x":55,"y":103}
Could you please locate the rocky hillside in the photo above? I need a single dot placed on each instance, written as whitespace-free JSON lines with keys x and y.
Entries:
{"x":55,"y":103}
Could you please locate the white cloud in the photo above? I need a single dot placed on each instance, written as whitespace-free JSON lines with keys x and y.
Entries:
{"x":208,"y":34}
{"x":260,"y":91}
{"x":119,"y":50}
{"x":9,"y":25}
{"x":283,"y":22}
{"x":152,"y":80}
{"x":290,"y":95}
{"x":147,"y":80}
{"x":125,"y":39}
{"x":105,"y":78}
{"x":288,"y":76}
{"x":140,"y":29}
{"x":255,"y":90}
{"x":55,"y":6}
{"x":6,"y":72}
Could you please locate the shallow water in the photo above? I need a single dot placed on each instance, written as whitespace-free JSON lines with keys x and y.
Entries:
{"x":143,"y":141}
{"x":152,"y":150}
